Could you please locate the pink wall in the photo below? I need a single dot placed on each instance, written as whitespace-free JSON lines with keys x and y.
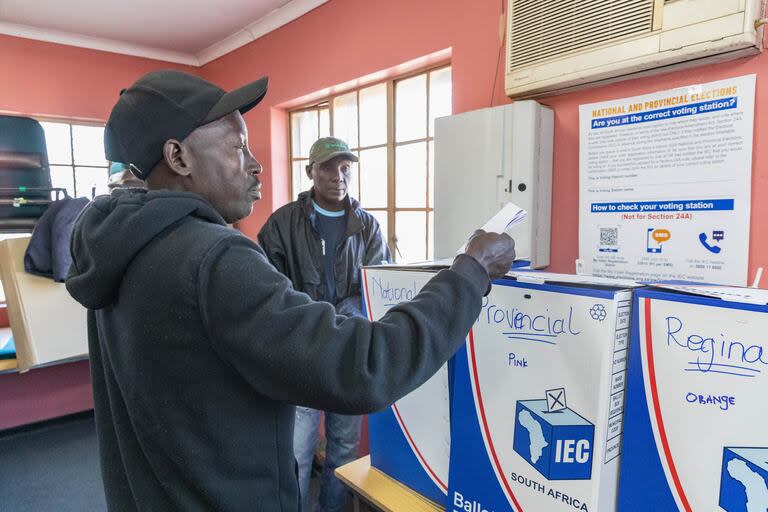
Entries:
{"x":343,"y":40}
{"x":44,"y":393}
{"x":55,"y":80}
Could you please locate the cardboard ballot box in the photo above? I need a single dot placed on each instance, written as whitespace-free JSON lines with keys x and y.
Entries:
{"x":409,"y":441}
{"x":696,"y":425}
{"x":537,"y":396}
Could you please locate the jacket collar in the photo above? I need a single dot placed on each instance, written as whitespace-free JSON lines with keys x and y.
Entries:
{"x":351,"y":207}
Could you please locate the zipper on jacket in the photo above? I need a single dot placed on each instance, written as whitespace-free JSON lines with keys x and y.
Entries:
{"x":322,"y":242}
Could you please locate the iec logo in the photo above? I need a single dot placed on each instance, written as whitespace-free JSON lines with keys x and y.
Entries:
{"x":557,"y":443}
{"x":744,"y":480}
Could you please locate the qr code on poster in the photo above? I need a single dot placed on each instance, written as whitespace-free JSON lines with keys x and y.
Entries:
{"x":609,"y":237}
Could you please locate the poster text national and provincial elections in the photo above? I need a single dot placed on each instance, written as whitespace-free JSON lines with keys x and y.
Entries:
{"x":665,"y":184}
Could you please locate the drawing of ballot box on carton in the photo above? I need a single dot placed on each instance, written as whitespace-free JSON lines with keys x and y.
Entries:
{"x":744,"y":479}
{"x":558,"y":443}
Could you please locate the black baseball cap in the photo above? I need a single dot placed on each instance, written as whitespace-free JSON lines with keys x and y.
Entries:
{"x":165,"y":105}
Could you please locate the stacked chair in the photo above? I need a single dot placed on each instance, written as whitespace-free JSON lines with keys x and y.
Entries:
{"x":25,"y":178}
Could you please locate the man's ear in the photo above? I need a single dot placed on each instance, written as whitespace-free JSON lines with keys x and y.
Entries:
{"x":176,"y":155}
{"x":309,"y":171}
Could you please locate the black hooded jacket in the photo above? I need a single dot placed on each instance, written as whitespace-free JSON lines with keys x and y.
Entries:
{"x":199,"y":349}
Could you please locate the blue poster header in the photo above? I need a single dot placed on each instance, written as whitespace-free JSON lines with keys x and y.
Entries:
{"x":693,"y":109}
{"x":693,"y":205}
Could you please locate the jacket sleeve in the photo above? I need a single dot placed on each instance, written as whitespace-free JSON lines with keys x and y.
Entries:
{"x":294,"y":350}
{"x":272,"y":244}
{"x":376,"y":253}
{"x":376,"y":249}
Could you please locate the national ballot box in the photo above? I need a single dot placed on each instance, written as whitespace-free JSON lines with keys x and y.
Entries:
{"x":410,"y":441}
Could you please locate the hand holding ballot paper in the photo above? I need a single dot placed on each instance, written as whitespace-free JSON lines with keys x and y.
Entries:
{"x":490,"y":255}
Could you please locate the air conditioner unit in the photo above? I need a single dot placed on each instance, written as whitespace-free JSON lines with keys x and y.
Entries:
{"x":554,"y":45}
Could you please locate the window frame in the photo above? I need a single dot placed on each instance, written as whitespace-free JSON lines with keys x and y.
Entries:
{"x":391,"y":146}
{"x":72,"y":165}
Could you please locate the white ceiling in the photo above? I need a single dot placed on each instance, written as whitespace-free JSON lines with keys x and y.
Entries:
{"x":190,"y":32}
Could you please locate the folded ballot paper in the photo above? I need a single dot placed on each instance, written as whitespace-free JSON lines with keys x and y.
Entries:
{"x":503,"y":222}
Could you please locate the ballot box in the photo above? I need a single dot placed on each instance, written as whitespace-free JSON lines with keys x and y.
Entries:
{"x":537,"y":397}
{"x":410,"y":441}
{"x":696,"y":425}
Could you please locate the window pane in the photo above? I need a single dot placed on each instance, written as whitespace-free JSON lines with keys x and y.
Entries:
{"x":411,"y":108}
{"x":89,"y":177}
{"x":430,"y":236}
{"x":411,"y":175}
{"x":61,"y":177}
{"x":88,"y":142}
{"x":295,"y":179}
{"x":345,"y":118}
{"x":373,"y":178}
{"x":439,"y":96}
{"x":354,"y":190}
{"x":382,"y":216}
{"x":303,"y":132}
{"x":354,"y":187}
{"x":325,"y":123}
{"x":411,"y":236}
{"x":373,"y":115}
{"x":300,"y":180}
{"x":431,"y":145}
{"x":58,"y":143}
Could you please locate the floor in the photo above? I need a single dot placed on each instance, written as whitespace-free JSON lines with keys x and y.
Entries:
{"x":55,"y":466}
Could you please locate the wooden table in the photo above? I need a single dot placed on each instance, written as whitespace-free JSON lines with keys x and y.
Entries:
{"x":8,"y":365}
{"x":379,"y":491}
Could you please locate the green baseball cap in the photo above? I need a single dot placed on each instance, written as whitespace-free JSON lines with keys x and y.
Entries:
{"x":327,"y":148}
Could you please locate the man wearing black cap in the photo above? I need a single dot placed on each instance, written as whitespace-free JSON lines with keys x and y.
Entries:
{"x":320,"y":242}
{"x":199,"y":347}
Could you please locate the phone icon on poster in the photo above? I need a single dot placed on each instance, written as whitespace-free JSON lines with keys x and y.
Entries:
{"x":710,"y":247}
{"x":652,"y":245}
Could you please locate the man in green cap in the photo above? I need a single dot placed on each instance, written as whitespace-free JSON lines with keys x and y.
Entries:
{"x":320,"y":242}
